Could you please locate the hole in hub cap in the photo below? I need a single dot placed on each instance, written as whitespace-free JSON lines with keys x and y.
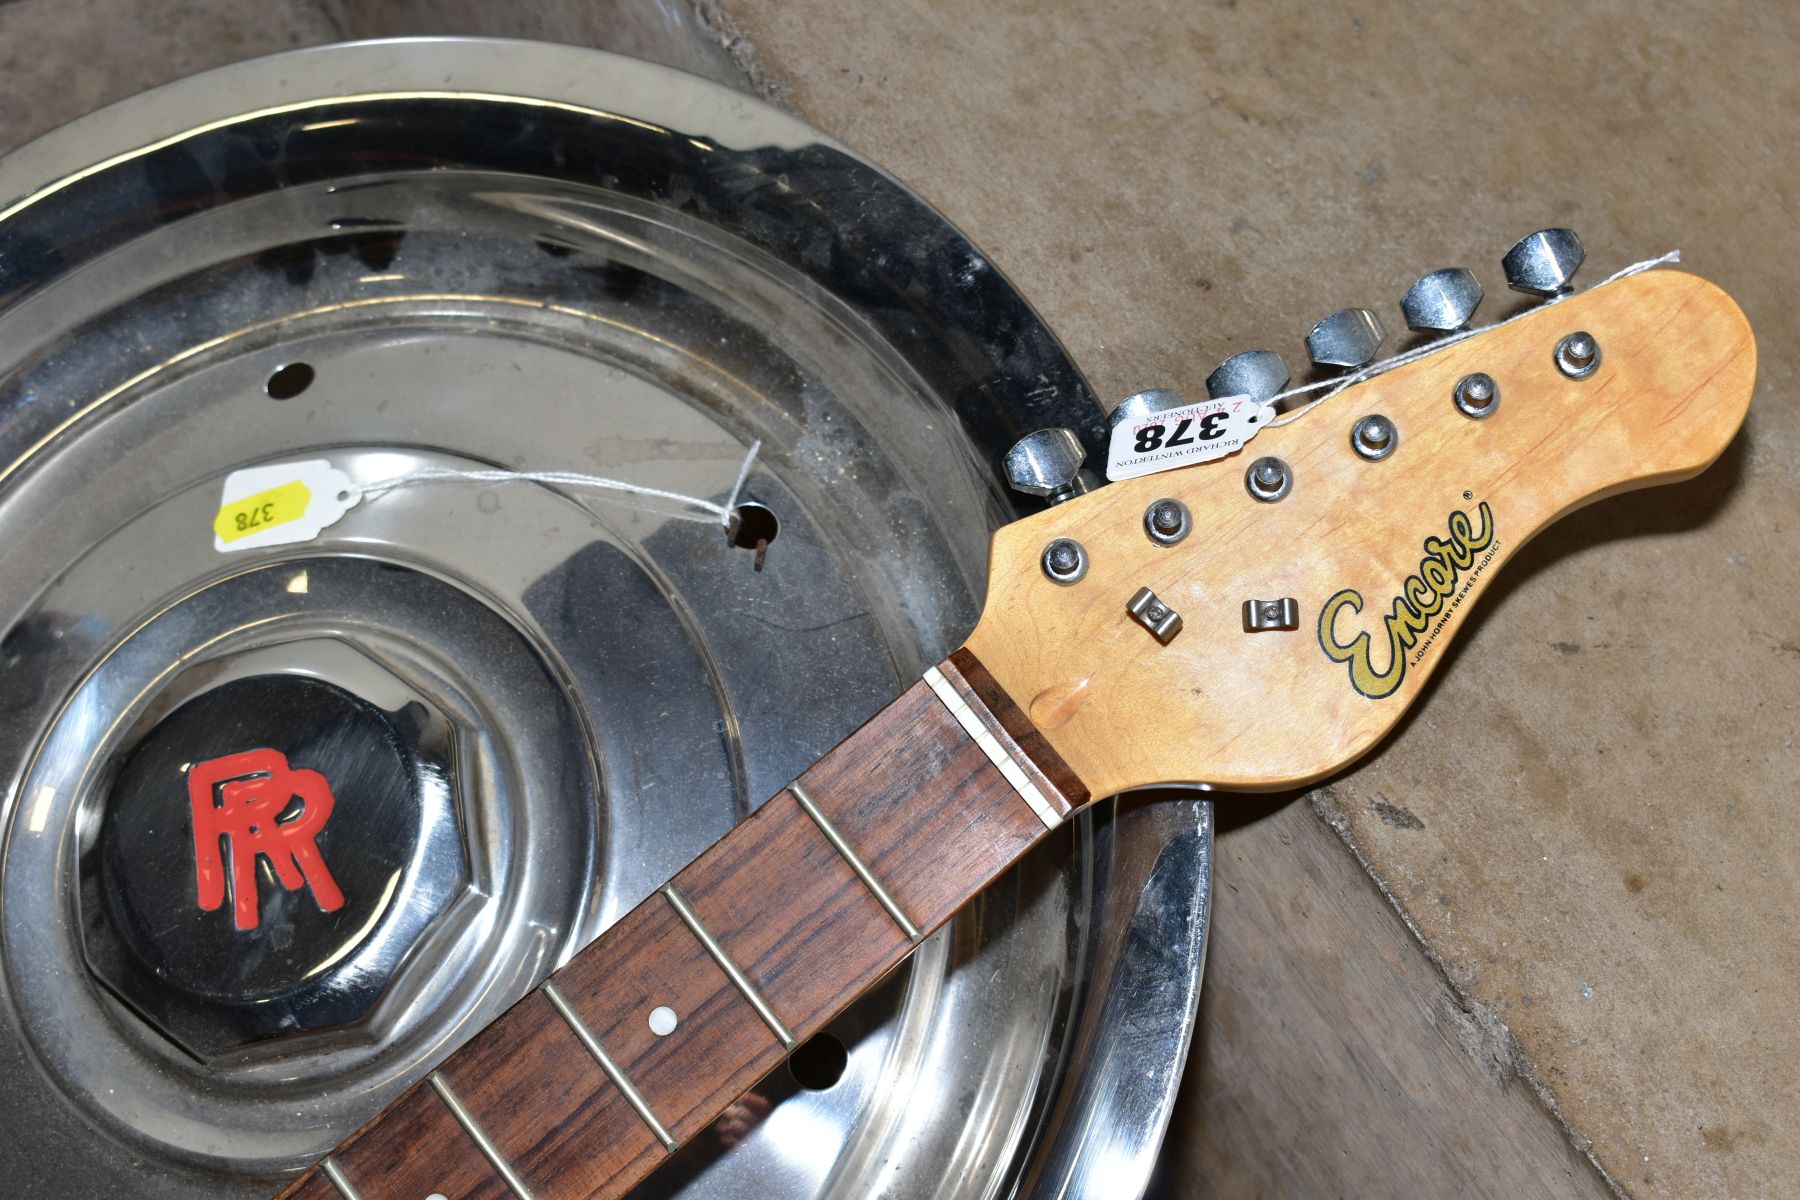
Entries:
{"x":753,"y":527}
{"x":819,"y":1063}
{"x":289,"y":380}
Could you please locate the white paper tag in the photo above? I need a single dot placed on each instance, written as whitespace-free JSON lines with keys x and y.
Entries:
{"x":1182,"y":436}
{"x":275,"y":505}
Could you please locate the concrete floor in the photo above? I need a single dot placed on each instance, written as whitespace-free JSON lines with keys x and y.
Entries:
{"x":1585,"y":821}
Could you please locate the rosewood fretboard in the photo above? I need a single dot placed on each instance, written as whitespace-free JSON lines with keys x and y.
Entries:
{"x":583,"y":1087}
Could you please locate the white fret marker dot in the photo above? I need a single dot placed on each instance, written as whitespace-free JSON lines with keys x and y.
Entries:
{"x":437,"y":1196}
{"x":663,"y":1020}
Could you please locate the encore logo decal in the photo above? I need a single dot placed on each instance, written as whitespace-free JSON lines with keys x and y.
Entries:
{"x":1446,"y":573}
{"x":247,"y":800}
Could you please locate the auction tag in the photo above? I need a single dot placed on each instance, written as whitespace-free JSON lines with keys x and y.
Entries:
{"x":275,"y":505}
{"x":1179,"y":437}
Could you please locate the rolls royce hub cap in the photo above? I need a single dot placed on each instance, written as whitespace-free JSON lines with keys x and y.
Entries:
{"x":287,"y":820}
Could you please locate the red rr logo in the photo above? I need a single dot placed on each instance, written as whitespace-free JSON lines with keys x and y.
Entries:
{"x":242,"y":797}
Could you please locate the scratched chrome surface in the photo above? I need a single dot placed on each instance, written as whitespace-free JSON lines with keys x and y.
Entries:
{"x":612,"y":268}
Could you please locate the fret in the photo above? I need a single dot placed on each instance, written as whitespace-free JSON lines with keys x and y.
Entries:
{"x":906,"y":805}
{"x":810,"y":933}
{"x":528,"y":1081}
{"x":733,"y":972}
{"x":863,"y":871}
{"x":414,"y":1149}
{"x":618,"y":1077}
{"x":719,"y":1047}
{"x":319,"y":1186}
{"x":338,"y":1179}
{"x":637,"y":1045}
{"x":479,"y":1136}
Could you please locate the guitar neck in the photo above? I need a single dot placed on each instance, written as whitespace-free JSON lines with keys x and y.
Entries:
{"x":592,"y":1080}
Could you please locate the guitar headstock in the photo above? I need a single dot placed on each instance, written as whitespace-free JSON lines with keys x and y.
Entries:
{"x":1375,"y":561}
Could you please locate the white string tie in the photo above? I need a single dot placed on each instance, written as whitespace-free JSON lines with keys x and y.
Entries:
{"x":701,"y":509}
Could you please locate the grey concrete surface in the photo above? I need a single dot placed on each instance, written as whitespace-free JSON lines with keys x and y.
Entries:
{"x":1597,"y":859}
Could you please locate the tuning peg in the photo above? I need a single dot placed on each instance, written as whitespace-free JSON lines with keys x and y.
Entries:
{"x":1349,"y":337}
{"x":1141,"y":406}
{"x":1258,"y":374}
{"x":1048,"y":464}
{"x":1542,"y":263}
{"x":1441,"y":302}
{"x":1145,"y":405}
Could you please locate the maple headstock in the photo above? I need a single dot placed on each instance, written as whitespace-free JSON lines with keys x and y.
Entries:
{"x":1390,"y":553}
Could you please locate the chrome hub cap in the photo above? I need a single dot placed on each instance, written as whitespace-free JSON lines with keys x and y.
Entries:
{"x":285,"y":823}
